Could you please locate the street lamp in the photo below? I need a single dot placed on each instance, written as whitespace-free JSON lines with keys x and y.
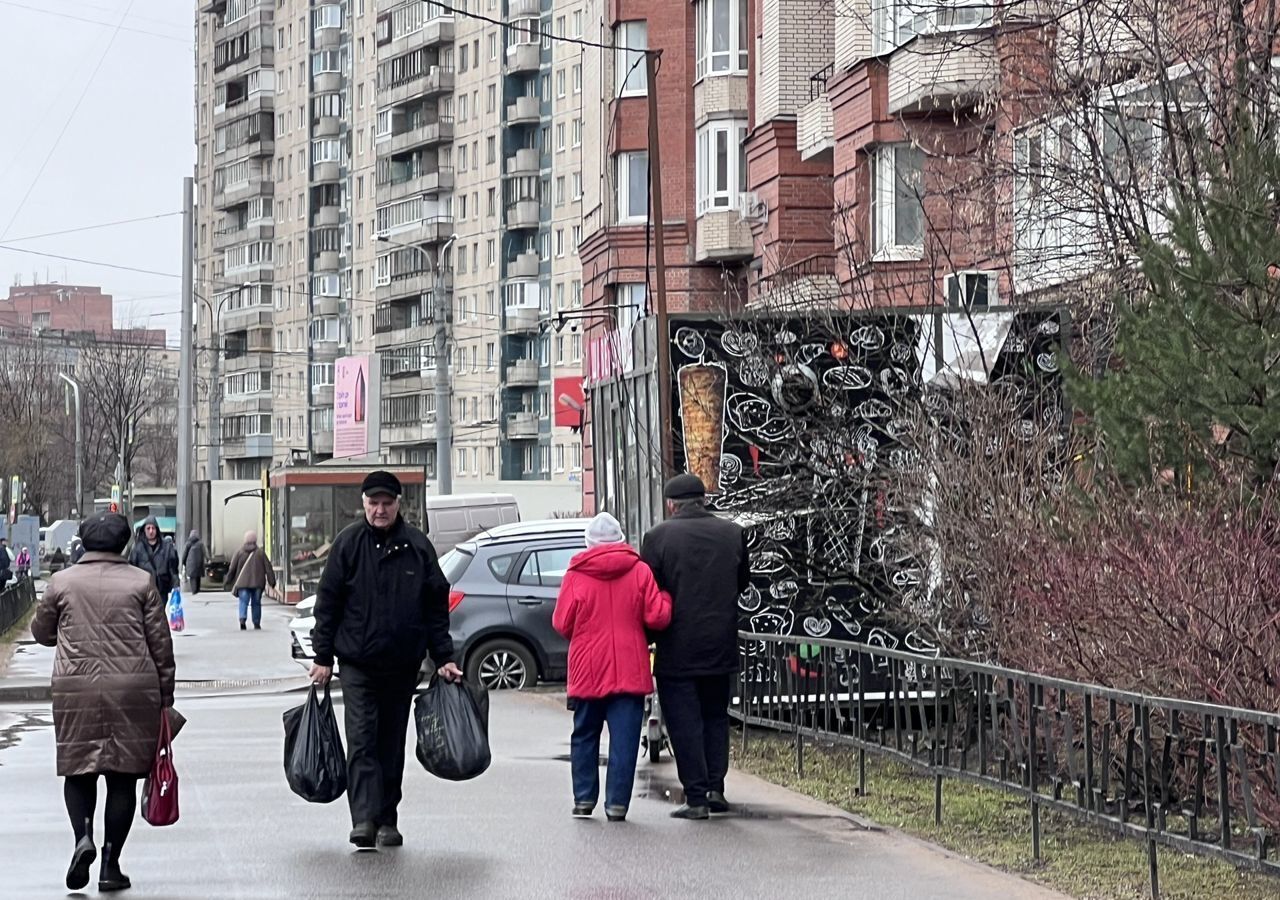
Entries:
{"x":75,"y":388}
{"x":444,"y":419}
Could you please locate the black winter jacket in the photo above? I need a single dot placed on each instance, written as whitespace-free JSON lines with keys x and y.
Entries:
{"x":702,"y":562}
{"x":160,"y":560}
{"x":383,"y":601}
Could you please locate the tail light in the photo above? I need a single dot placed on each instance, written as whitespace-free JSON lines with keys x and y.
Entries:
{"x":455,"y":597}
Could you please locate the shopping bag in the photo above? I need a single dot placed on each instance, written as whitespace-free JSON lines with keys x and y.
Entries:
{"x":160,"y":791}
{"x":314,"y":761}
{"x":452,"y":719}
{"x":177,"y":621}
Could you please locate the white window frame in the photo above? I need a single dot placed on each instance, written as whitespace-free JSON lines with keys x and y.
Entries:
{"x":710,"y":196}
{"x":624,"y":163}
{"x":628,"y":82}
{"x":728,"y":56}
{"x":896,"y":22}
{"x":885,"y":183}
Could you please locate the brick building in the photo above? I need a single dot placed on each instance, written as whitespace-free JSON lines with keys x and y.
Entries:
{"x":70,"y":310}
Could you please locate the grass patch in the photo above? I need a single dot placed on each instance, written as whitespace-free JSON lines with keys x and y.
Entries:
{"x":994,"y":828}
{"x":7,"y":639}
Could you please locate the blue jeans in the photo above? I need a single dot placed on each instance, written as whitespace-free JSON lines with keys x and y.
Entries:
{"x":251,"y":597}
{"x":624,"y":714}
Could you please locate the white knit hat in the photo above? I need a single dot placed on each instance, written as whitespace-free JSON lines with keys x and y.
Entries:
{"x":604,"y":529}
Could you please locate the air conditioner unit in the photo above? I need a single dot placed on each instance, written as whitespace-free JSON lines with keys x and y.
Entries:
{"x":751,"y":208}
{"x":971,"y":289}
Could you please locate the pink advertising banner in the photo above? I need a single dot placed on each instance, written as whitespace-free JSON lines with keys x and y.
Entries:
{"x":350,"y":407}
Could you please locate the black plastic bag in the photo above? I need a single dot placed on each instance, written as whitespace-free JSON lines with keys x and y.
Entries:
{"x":452,"y":719}
{"x":314,"y":761}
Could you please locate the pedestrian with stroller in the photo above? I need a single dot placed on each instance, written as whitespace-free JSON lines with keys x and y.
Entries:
{"x":250,"y":574}
{"x":382,"y":605}
{"x":701,"y":560}
{"x":113,"y":678}
{"x":607,"y":602}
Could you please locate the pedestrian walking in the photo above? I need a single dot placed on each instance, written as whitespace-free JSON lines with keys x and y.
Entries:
{"x":193,"y":560}
{"x":77,"y":550}
{"x":6,"y":571}
{"x":607,"y":601}
{"x":154,"y":553}
{"x":383,"y":603}
{"x":113,"y":676}
{"x":702,"y":562}
{"x":250,"y":574}
{"x":23,"y":563}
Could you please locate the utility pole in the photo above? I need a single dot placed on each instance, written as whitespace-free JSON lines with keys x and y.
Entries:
{"x":186,"y":430}
{"x":444,"y":418}
{"x":75,"y":388}
{"x":663,"y":385}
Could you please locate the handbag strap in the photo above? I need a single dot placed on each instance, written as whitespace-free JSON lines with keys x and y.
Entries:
{"x":165,"y":741}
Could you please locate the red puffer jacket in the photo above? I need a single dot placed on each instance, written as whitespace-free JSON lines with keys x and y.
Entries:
{"x":607,"y":600}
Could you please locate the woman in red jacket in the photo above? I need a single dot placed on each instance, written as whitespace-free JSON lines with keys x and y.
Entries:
{"x":607,"y":601}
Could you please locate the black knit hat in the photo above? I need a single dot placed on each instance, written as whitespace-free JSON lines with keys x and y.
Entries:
{"x":105,"y":533}
{"x":381,"y":482}
{"x":684,"y":487}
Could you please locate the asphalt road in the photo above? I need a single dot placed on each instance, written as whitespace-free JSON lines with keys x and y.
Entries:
{"x":506,"y":834}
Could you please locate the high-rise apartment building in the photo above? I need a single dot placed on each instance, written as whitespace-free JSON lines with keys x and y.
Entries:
{"x":366,"y":168}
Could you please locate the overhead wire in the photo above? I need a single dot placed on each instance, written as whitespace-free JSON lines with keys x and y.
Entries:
{"x":88,"y":21}
{"x":48,"y":234}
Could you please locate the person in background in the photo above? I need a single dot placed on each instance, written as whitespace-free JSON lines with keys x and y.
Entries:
{"x":77,"y":549}
{"x":113,"y":678}
{"x":5,"y":571}
{"x":607,"y":601}
{"x":155,"y":554}
{"x":383,"y":603}
{"x":702,"y":561}
{"x":250,"y":574}
{"x":23,"y":563}
{"x":193,"y":560}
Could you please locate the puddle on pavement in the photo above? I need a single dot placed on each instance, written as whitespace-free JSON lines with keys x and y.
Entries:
{"x":13,"y":725}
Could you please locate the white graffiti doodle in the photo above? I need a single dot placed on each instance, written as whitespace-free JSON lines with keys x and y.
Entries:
{"x":690,"y":343}
{"x":739,"y":343}
{"x":847,"y":378}
{"x":730,"y":469}
{"x":868,"y":337}
{"x":815,"y":627}
{"x":754,"y":372}
{"x":750,"y":599}
{"x":873,"y":409}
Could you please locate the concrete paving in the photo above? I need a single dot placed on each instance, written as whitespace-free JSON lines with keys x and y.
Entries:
{"x":507,"y":834}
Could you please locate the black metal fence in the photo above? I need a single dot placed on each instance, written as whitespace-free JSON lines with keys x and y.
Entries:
{"x":1196,"y":777}
{"x":15,"y":602}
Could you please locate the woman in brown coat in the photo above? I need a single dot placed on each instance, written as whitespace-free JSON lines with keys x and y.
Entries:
{"x":249,"y":575}
{"x":112,"y":681}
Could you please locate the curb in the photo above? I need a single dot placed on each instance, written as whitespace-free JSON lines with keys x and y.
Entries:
{"x":26,"y":693}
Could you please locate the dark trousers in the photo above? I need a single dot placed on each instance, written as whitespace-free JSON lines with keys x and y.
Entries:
{"x":80,"y":792}
{"x":376,"y":710}
{"x":696,"y":712}
{"x":195,"y":583}
{"x":624,"y":714}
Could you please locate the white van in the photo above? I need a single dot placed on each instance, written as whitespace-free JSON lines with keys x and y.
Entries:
{"x":455,"y":518}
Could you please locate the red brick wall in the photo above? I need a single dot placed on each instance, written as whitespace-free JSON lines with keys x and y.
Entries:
{"x":798,"y":194}
{"x":71,"y":308}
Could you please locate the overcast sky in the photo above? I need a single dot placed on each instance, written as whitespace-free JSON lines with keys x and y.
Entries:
{"x":123,"y":153}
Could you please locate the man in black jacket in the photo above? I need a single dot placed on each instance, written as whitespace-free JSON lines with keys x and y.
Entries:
{"x":383,"y":604}
{"x":701,"y":561}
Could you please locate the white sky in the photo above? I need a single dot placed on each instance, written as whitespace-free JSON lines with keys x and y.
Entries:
{"x":123,"y":155}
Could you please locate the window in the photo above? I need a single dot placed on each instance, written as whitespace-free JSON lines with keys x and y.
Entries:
{"x":629,"y":68}
{"x":462,"y":57}
{"x":577,"y":132}
{"x":326,"y":17}
{"x":493,"y":201}
{"x":491,"y":149}
{"x":490,"y":356}
{"x":559,"y":137}
{"x":897,"y":211}
{"x":546,"y":568}
{"x":491,"y":98}
{"x":575,"y":347}
{"x":722,"y":164}
{"x":721,"y":37}
{"x":894,"y":22}
{"x":577,"y":78}
{"x":632,"y":174}
{"x":560,"y":190}
{"x":560,"y":84}
{"x":493,"y":46}
{"x":577,"y":23}
{"x":324,"y":329}
{"x":577,"y":239}
{"x":560,"y":349}
{"x":326,"y":151}
{"x":491,"y":253}
{"x":559,"y":242}
{"x":560,"y":26}
{"x":577,"y":185}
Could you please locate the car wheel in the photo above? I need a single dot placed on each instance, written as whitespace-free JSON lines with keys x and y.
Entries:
{"x":502,"y":666}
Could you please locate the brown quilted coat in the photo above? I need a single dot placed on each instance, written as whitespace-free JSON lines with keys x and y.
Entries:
{"x":113,"y":672}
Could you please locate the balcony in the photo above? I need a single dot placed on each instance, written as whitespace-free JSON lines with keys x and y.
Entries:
{"x":327,"y":216}
{"x":522,"y":320}
{"x":253,"y":104}
{"x":526,"y":161}
{"x":434,"y":182}
{"x":425,"y":134}
{"x":723,"y":235}
{"x":325,"y":306}
{"x":523,"y":214}
{"x":439,"y":30}
{"x":523,"y":9}
{"x":525,"y":111}
{"x":949,"y":71}
{"x":245,"y":361}
{"x":326,"y":127}
{"x":524,"y":58}
{"x":256,"y":185}
{"x":326,"y":172}
{"x":426,"y":231}
{"x":244,"y":318}
{"x":523,"y":373}
{"x":322,"y":441}
{"x":326,"y":82}
{"x":435,"y":81}
{"x":326,"y":261}
{"x":524,"y":266}
{"x":522,"y":426}
{"x":258,"y":231}
{"x":815,"y":133}
{"x":255,"y":446}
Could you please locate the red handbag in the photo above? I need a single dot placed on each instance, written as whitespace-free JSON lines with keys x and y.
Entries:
{"x":160,"y":792}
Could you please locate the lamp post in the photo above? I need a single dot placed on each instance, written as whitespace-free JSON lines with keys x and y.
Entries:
{"x":444,"y":418}
{"x":75,"y":389}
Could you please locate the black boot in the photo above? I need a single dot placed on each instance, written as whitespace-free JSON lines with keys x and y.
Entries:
{"x":365,"y":836}
{"x":242,"y":625}
{"x":110,"y":878}
{"x":81,"y":859}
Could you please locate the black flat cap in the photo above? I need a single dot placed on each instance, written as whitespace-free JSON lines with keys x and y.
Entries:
{"x":381,"y":482}
{"x":684,"y":487}
{"x":105,"y":533}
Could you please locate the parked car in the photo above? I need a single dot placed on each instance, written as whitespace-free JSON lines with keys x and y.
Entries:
{"x":504,"y":585}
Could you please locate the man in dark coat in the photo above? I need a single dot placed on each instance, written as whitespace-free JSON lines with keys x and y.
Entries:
{"x":382,"y":605}
{"x":702,"y":562}
{"x":5,"y":572}
{"x":193,"y":560}
{"x":155,"y":554}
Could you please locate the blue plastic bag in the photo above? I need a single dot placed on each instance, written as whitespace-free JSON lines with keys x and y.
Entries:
{"x":177,"y":621}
